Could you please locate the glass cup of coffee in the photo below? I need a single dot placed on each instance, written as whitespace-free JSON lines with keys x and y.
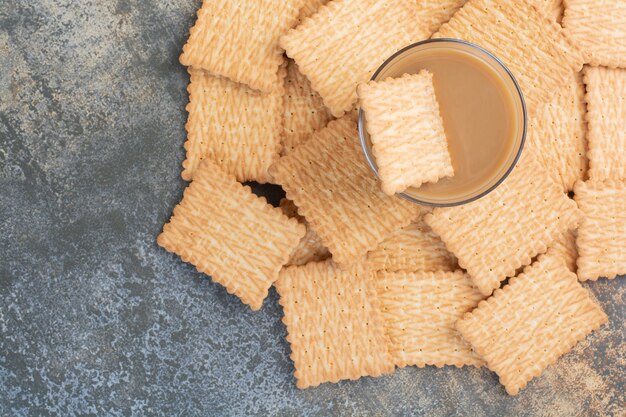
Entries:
{"x":483,"y":112}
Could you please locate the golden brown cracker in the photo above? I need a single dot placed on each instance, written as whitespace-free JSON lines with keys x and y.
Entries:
{"x":231,"y":234}
{"x":346,"y":41}
{"x":309,"y":8}
{"x":493,"y":236}
{"x":414,"y":248}
{"x":419,"y":310}
{"x":599,"y":28}
{"x":333,"y":323}
{"x":239,"y":40}
{"x":233,"y":126}
{"x":601,"y":237}
{"x":310,"y":248}
{"x":564,"y":248}
{"x":532,"y":45}
{"x":335,"y":190}
{"x":405,"y":126}
{"x":557,"y":131}
{"x":551,"y":8}
{"x":606,"y":119}
{"x":529,"y":323}
{"x":305,"y":112}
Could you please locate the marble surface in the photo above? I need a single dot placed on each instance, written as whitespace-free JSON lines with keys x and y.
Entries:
{"x":95,"y":319}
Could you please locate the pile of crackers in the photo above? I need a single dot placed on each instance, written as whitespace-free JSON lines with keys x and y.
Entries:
{"x":368,"y":281}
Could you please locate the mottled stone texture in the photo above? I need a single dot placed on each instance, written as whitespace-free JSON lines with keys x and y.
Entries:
{"x":95,"y":319}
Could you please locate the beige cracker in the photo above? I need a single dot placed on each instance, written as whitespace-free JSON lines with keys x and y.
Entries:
{"x":601,"y":237}
{"x":530,"y":323}
{"x":238,"y":39}
{"x":412,"y":248}
{"x":408,"y":141}
{"x":333,"y":323}
{"x":309,"y":8}
{"x":495,"y":235}
{"x":606,"y":118}
{"x":310,"y":248}
{"x":231,"y":234}
{"x":557,"y":132}
{"x":304,"y":109}
{"x":419,"y":311}
{"x":551,"y":8}
{"x":532,"y":45}
{"x":599,"y":28}
{"x":233,"y":126}
{"x":346,"y":41}
{"x":335,"y":190}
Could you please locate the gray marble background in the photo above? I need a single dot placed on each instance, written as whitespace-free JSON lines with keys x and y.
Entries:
{"x":95,"y":319}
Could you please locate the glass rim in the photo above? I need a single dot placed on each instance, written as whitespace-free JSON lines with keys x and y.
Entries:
{"x":370,"y":159}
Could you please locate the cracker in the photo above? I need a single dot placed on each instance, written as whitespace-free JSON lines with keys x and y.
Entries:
{"x":333,"y":323}
{"x":309,"y":8}
{"x":551,"y":8}
{"x":557,"y":132}
{"x":335,"y":190}
{"x":601,"y":237}
{"x":532,"y":45}
{"x":346,"y":41}
{"x":528,"y":324}
{"x":239,"y":40}
{"x":599,"y":28}
{"x":405,"y":126}
{"x":304,"y":109}
{"x":231,"y":234}
{"x":419,"y":310}
{"x":606,"y":118}
{"x":411,"y":249}
{"x":564,"y":248}
{"x":233,"y":126}
{"x":497,"y":234}
{"x":310,"y":248}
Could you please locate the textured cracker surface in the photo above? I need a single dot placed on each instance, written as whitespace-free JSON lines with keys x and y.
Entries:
{"x":493,"y":236}
{"x":606,"y":119}
{"x":510,"y":29}
{"x":96,"y":319}
{"x":529,"y":323}
{"x":406,"y":130}
{"x":236,"y":127}
{"x":335,"y":190}
{"x":304,"y":109}
{"x":557,"y":130}
{"x":564,"y":248}
{"x":601,"y":237}
{"x":333,"y":323}
{"x":227,"y":232}
{"x":599,"y":28}
{"x":419,"y":310}
{"x":310,"y":247}
{"x":324,"y":46}
{"x":309,"y":8}
{"x":238,"y":39}
{"x":412,"y":248}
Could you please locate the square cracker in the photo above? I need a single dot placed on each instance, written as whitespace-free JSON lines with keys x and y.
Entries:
{"x":310,"y":248}
{"x":601,"y":237}
{"x":599,"y":28}
{"x":232,"y":125}
{"x":411,"y":249}
{"x":419,"y":310}
{"x":532,"y":45}
{"x":333,"y":323}
{"x":335,"y":190}
{"x":238,"y":39}
{"x":557,"y":132}
{"x":346,"y":41}
{"x":494,"y":236}
{"x":606,"y":119}
{"x":231,"y":234}
{"x":405,"y":126}
{"x":528,"y":324}
{"x":305,"y":112}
